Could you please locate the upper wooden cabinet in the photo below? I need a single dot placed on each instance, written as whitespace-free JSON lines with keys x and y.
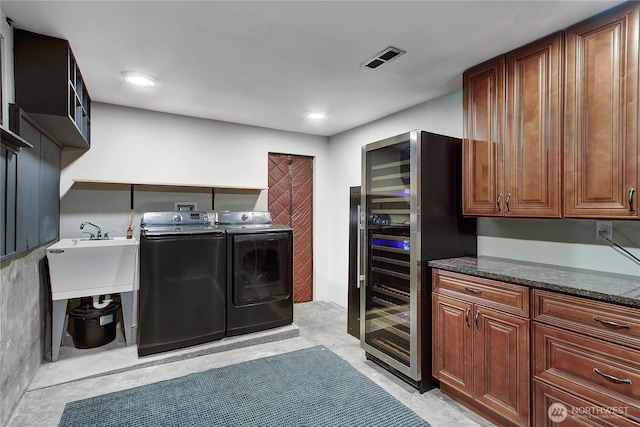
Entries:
{"x":513,"y":127}
{"x":601,"y":130}
{"x":533,"y":146}
{"x":482,"y":150}
{"x":49,"y":86}
{"x":514,"y":145}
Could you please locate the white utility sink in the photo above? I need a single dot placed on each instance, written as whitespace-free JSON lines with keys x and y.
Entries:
{"x":82,"y":267}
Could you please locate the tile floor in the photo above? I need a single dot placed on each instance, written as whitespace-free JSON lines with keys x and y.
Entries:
{"x":84,"y":373}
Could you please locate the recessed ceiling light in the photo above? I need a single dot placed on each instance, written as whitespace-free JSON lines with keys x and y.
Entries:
{"x":316,"y":115}
{"x":139,"y":79}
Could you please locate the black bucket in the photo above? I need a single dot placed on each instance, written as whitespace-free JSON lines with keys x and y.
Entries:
{"x":93,"y":327}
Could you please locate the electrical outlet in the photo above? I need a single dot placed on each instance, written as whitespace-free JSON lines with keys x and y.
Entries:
{"x":604,"y":228}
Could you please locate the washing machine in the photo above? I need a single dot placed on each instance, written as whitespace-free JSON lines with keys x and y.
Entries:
{"x":182,"y":295}
{"x":259,"y":272}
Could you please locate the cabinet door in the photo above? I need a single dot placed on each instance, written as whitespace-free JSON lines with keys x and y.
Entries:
{"x":28,"y":197}
{"x":502,"y":375}
{"x":554,"y":407}
{"x":49,"y":189}
{"x":482,"y":144}
{"x":452,"y":343}
{"x":601,"y":129}
{"x":534,"y":130}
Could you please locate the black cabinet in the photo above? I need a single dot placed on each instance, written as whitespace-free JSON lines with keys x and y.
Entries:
{"x":50,"y":87}
{"x":30,"y":187}
{"x":49,"y":190}
{"x":10,"y":146}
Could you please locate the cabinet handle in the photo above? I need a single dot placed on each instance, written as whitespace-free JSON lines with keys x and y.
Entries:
{"x":631,"y":192}
{"x":466,"y":317}
{"x":498,"y":202}
{"x":507,"y":202}
{"x":477,"y":315}
{"x":611,"y":377}
{"x":612,"y":324}
{"x":473,"y":291}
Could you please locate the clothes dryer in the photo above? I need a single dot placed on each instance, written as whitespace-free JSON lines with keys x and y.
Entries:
{"x":260,"y":272}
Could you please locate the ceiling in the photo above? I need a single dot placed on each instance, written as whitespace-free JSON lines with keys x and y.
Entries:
{"x":267,"y":63}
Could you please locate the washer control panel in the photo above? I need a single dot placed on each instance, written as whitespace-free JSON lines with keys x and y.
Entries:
{"x":175,"y":217}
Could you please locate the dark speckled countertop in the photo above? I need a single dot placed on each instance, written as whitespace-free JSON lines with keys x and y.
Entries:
{"x":618,"y":288}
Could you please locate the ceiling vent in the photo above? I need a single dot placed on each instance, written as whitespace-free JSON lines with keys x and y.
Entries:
{"x":383,"y":57}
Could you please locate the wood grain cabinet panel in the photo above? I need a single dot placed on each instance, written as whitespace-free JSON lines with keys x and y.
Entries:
{"x":533,"y":146}
{"x":507,"y":297}
{"x":453,"y":363}
{"x":603,"y":373}
{"x":481,"y":353}
{"x":512,"y":136}
{"x":482,"y":149}
{"x":554,"y":407}
{"x":601,"y":116}
{"x":611,"y":322}
{"x":501,"y":346}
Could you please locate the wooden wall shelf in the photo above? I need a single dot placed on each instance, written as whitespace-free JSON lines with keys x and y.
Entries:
{"x":133,"y":184}
{"x":168,"y":184}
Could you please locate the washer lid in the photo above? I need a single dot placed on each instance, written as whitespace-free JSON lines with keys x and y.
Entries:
{"x":179,"y":229}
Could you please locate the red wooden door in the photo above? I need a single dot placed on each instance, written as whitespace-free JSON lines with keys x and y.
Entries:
{"x":291,"y":203}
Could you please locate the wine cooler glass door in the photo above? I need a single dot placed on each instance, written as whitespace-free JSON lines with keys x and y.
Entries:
{"x":391,"y":256}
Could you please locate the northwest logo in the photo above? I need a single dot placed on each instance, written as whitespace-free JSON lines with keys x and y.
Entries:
{"x":557,"y":412}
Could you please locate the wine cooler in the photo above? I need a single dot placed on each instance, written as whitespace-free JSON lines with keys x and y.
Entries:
{"x":410,"y":214}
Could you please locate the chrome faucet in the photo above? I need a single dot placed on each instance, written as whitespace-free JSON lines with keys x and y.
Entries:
{"x":92,"y":237}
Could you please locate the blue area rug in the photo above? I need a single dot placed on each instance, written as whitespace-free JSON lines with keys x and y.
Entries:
{"x":309,"y":387}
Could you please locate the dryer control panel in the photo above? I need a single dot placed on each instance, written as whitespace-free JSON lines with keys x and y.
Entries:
{"x":242,"y":217}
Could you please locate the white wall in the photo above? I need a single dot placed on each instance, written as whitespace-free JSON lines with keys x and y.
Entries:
{"x":565,"y":242}
{"x":132,"y":145}
{"x":568,"y":243}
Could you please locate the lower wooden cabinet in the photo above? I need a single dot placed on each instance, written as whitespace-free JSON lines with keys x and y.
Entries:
{"x":480,"y":348}
{"x":535,"y":357}
{"x":586,"y":355}
{"x":555,"y":407}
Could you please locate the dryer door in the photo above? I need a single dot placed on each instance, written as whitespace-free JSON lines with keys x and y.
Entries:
{"x":262,"y":267}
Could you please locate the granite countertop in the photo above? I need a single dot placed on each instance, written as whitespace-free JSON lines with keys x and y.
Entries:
{"x":616,"y":288}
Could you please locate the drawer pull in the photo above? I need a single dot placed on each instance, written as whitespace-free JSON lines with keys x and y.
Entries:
{"x":466,"y":317}
{"x":473,"y":291}
{"x":612,"y":324}
{"x":611,"y":377}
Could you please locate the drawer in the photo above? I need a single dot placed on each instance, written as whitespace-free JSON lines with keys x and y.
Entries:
{"x":550,"y":402}
{"x":615,"y":323}
{"x":502,"y":296}
{"x":604,"y":373}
